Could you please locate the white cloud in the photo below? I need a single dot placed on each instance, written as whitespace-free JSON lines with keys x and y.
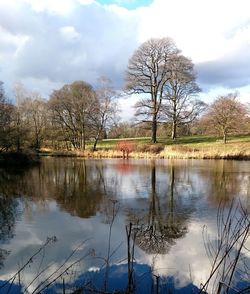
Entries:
{"x":70,"y":33}
{"x":64,"y":40}
{"x":200,"y":28}
{"x":86,"y":2}
{"x":62,"y":7}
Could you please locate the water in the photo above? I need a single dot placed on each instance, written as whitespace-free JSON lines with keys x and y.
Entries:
{"x":87,"y":205}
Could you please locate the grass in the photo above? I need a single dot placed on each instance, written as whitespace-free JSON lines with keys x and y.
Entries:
{"x":237,"y":147}
{"x":187,"y":140}
{"x":200,"y":147}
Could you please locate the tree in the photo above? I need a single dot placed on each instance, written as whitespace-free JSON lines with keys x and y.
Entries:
{"x":226,"y":115}
{"x":6,"y":121}
{"x":181,"y":106}
{"x":71,"y":107}
{"x":147,"y":74}
{"x":20,"y":94}
{"x":35,"y":109}
{"x":105,"y":109}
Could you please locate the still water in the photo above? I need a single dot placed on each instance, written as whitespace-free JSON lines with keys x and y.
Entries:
{"x":86,"y":206}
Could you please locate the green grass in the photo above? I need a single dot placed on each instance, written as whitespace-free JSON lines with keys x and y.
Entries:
{"x":191,"y":141}
{"x":200,"y":147}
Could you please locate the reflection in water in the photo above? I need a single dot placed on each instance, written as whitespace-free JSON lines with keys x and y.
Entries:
{"x":8,"y":216}
{"x":170,"y":201}
{"x":78,"y":188}
{"x":223,"y":182}
{"x":165,"y":218}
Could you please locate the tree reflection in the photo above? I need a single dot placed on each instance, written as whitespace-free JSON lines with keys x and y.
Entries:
{"x":8,"y":217}
{"x":165,"y":219}
{"x":223,"y":185}
{"x":77,"y":187}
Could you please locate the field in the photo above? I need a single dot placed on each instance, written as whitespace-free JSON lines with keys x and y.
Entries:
{"x":237,"y":147}
{"x":200,"y":147}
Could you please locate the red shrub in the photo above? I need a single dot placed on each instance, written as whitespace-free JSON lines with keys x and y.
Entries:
{"x":125,"y":146}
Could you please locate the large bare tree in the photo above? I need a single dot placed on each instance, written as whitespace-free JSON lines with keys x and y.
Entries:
{"x":181,"y":105}
{"x":147,"y":74}
{"x":226,"y":115}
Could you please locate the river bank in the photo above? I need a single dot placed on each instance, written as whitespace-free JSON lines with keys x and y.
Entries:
{"x":215,"y":150}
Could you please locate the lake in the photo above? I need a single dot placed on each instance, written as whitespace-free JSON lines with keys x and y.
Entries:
{"x":70,"y":223}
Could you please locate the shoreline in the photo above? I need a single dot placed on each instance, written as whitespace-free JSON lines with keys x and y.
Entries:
{"x":165,"y":154}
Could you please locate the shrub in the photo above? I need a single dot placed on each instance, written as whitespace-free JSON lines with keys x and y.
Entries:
{"x":126,"y":147}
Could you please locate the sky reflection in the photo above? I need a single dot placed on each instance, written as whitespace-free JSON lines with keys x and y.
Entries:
{"x":170,"y":201}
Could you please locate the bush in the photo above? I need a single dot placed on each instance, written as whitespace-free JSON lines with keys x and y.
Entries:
{"x":125,"y":147}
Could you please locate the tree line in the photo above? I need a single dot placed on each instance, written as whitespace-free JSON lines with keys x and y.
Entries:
{"x":169,"y":104}
{"x":71,"y":116}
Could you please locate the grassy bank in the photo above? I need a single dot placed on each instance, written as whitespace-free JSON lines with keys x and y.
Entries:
{"x":200,"y":147}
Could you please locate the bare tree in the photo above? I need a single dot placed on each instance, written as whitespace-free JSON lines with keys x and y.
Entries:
{"x":104,"y":114}
{"x":20,"y":94}
{"x":71,"y":107}
{"x":226,"y":115}
{"x":35,"y":109}
{"x":182,"y":106}
{"x":6,"y":121}
{"x":147,"y":74}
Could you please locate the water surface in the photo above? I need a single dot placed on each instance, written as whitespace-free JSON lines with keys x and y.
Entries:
{"x":87,"y":204}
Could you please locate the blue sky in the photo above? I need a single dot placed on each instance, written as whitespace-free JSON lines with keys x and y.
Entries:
{"x":46,"y":44}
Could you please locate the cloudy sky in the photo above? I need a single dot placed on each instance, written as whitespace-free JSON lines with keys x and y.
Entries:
{"x":47,"y":43}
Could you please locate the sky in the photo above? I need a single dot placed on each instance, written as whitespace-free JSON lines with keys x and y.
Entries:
{"x":45,"y":44}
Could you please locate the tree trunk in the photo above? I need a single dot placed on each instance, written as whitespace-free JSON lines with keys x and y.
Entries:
{"x":95,"y":143}
{"x":174,"y":125}
{"x":225,"y":137}
{"x":37,"y":143}
{"x":154,"y":129}
{"x":97,"y":138}
{"x":83,"y":138}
